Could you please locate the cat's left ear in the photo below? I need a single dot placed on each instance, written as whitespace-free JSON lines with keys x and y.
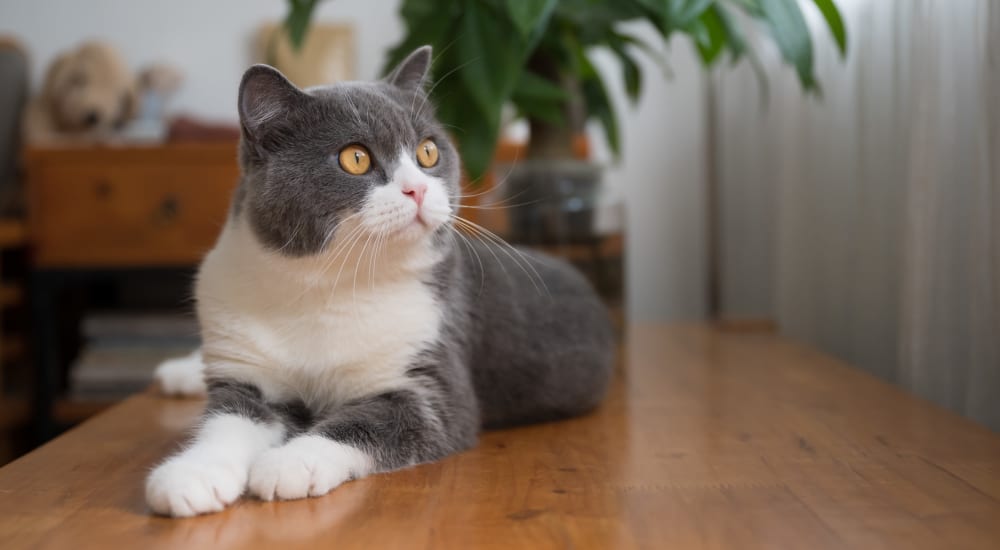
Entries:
{"x":411,"y":74}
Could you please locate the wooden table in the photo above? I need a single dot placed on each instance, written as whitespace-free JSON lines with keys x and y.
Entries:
{"x":708,"y":439}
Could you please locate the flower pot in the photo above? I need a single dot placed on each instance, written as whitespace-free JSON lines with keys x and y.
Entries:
{"x":562,"y":208}
{"x":552,"y":203}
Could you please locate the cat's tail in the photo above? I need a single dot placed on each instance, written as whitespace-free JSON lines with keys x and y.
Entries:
{"x":182,"y":376}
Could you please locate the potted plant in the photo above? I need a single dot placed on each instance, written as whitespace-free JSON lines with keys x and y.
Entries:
{"x":534,"y":56}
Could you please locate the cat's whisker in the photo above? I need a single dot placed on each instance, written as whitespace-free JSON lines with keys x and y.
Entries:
{"x":495,"y":205}
{"x":379,"y":243}
{"x":471,"y":249}
{"x":426,"y":96}
{"x":354,"y":283}
{"x":295,"y":233}
{"x":352,"y":235}
{"x":488,"y":248}
{"x":333,"y":254}
{"x":501,"y":183}
{"x":504,"y":247}
{"x":336,"y":280}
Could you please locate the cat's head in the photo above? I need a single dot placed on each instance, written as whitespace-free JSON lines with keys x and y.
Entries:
{"x":353,"y":157}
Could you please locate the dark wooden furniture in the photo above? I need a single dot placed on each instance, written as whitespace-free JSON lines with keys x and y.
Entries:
{"x":708,"y":439}
{"x":100,"y":211}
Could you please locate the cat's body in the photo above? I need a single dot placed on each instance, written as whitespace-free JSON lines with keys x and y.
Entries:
{"x":347,"y":327}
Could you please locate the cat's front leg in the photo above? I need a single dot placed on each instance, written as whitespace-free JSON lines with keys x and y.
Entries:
{"x":379,"y":433}
{"x":212,"y":472}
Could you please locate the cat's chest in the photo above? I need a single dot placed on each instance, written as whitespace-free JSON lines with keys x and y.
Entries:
{"x":329,"y":329}
{"x":300,"y":340}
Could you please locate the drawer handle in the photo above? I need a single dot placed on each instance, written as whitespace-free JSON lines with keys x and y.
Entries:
{"x":102,"y":188}
{"x":168,"y":210}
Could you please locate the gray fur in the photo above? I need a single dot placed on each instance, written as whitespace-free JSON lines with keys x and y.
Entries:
{"x":525,"y":339}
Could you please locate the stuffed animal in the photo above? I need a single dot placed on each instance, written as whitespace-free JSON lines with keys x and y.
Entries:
{"x":88,"y":95}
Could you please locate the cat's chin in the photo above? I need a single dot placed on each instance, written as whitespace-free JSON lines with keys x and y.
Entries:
{"x":415,"y":230}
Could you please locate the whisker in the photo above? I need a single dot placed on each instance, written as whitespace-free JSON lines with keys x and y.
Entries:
{"x":495,"y":205}
{"x":496,"y":239}
{"x":437,"y":81}
{"x":354,"y":284}
{"x":354,"y":243}
{"x":472,"y":249}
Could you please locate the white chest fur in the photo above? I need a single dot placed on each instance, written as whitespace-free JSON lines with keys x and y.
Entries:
{"x":311,"y":328}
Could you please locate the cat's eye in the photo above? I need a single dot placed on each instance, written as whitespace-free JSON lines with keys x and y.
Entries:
{"x":427,"y":153}
{"x":354,"y":159}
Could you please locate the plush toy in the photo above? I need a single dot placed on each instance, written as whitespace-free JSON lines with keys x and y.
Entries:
{"x":88,"y":95}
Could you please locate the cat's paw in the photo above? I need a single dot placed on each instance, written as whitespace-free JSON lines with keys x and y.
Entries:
{"x":184,"y":487}
{"x":184,"y":376}
{"x":307,"y":466}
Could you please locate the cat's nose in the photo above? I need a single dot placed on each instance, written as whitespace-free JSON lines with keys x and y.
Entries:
{"x":415,"y":191}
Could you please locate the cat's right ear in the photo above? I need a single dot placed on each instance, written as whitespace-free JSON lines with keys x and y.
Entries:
{"x":411,"y":73}
{"x":266,"y":99}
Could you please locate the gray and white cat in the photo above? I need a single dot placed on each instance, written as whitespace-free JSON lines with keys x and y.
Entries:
{"x":348,"y":328}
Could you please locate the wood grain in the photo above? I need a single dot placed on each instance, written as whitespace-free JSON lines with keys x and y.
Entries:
{"x":128,"y":206}
{"x":709,"y":439}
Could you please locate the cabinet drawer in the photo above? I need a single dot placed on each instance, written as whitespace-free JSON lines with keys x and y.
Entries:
{"x":84,"y":215}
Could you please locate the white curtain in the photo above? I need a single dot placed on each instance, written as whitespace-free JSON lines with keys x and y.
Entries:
{"x":867,"y":223}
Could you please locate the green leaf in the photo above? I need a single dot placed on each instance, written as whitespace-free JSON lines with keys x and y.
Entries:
{"x":424,"y":25}
{"x":735,"y":38}
{"x":750,"y":6}
{"x":538,"y":97}
{"x":595,"y":95}
{"x":490,"y":63}
{"x":790,"y":32}
{"x":533,"y":86}
{"x":835,"y":22}
{"x":475,"y":133}
{"x":646,"y":49}
{"x":297,"y":21}
{"x":686,"y":12}
{"x":710,"y":36}
{"x":529,"y":15}
{"x":631,"y":72}
{"x":546,"y":111}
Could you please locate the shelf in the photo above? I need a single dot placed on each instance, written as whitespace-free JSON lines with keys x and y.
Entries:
{"x":10,"y":295}
{"x":12,"y":233}
{"x":11,"y":349}
{"x":14,"y":412}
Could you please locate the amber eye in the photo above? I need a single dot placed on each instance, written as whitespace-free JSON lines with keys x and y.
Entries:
{"x":354,"y":159}
{"x":427,"y":153}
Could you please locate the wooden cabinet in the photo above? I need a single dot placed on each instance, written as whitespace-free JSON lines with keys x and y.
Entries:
{"x":96,"y":213}
{"x":130,"y":206}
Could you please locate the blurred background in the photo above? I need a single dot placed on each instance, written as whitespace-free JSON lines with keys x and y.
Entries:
{"x":824,"y":169}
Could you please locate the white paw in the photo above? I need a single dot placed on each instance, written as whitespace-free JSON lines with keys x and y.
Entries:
{"x":307,"y":466}
{"x":182,"y":376}
{"x":184,"y":487}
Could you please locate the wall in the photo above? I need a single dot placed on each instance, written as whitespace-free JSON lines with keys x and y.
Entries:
{"x":660,"y":175}
{"x":211,"y":40}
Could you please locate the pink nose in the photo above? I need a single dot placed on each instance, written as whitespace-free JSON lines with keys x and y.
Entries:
{"x":415,"y":191}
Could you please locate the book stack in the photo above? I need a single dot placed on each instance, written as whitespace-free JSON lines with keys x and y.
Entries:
{"x":122,"y":350}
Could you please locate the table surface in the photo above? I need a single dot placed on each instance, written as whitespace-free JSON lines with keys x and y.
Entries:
{"x":708,"y":438}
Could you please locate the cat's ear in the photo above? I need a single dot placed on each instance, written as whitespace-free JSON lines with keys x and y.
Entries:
{"x":412,"y":72}
{"x":266,"y":99}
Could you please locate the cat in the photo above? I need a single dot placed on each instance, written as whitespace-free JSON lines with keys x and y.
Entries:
{"x":348,"y":327}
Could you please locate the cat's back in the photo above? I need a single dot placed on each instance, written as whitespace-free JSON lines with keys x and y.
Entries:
{"x":543,"y":345}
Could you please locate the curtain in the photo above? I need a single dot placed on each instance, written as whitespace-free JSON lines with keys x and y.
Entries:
{"x":867,"y":222}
